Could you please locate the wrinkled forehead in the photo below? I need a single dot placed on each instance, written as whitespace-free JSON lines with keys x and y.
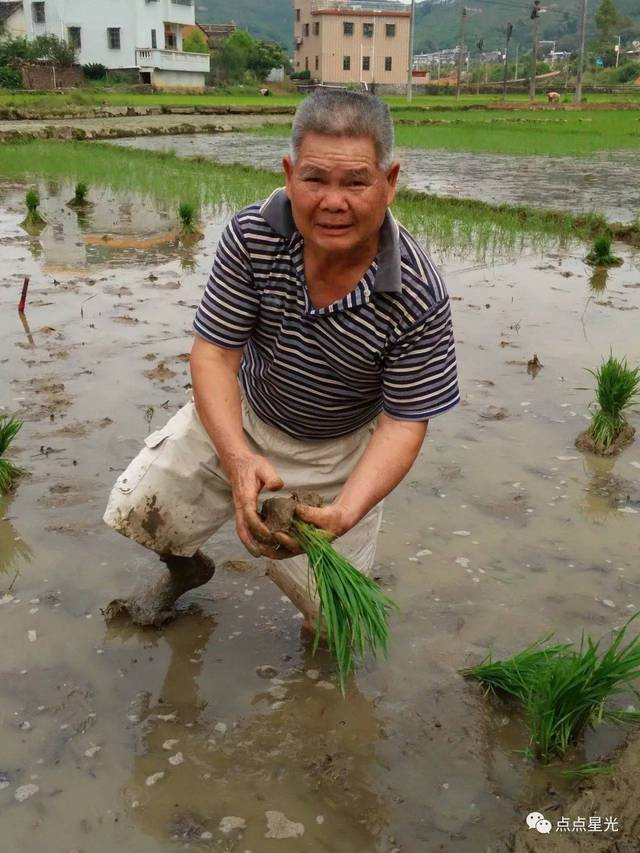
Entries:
{"x":337,"y":153}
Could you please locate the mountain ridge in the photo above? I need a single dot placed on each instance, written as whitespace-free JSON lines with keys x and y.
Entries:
{"x":437,"y":21}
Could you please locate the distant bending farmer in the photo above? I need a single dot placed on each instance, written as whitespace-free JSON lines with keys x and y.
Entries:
{"x":323,"y":346}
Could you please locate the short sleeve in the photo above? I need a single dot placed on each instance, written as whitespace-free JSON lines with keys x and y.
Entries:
{"x":230,"y":304}
{"x":420,"y":377}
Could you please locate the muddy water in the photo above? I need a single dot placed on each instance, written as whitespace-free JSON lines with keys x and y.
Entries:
{"x":120,"y":738}
{"x":604,"y":183}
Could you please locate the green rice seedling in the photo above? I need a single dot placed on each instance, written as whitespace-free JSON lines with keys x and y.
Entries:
{"x":585,"y":771}
{"x":353,"y":610}
{"x":33,"y":218}
{"x":600,"y":254}
{"x":187,"y":215}
{"x":81,"y":191}
{"x":514,"y":675}
{"x":567,"y":689}
{"x":617,"y":387}
{"x":9,"y":428}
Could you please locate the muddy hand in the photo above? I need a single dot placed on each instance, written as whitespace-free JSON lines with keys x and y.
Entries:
{"x":333,"y":519}
{"x":250,"y":475}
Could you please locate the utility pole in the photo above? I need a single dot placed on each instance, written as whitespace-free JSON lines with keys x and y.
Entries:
{"x":461,"y":50}
{"x":583,"y":31}
{"x":509,"y":30}
{"x":535,"y":17}
{"x":515,"y":73}
{"x":479,"y":74}
{"x":410,"y":72}
{"x":617,"y":50}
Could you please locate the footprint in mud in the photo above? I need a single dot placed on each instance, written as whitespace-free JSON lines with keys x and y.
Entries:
{"x":161,"y":373}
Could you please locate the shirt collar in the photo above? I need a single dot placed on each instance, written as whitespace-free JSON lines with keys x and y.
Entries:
{"x":276,"y":211}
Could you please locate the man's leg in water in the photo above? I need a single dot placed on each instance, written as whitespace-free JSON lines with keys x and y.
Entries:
{"x":172,"y":498}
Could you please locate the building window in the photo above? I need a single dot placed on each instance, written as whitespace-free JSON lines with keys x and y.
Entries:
{"x":113,"y":38}
{"x":316,"y":28}
{"x":391,"y":30}
{"x":317,"y":62}
{"x":306,"y":29}
{"x":346,"y":63}
{"x":387,"y":63}
{"x":365,"y":63}
{"x":154,"y":39}
{"x":306,"y":63}
{"x":37,"y":13}
{"x":73,"y":37}
{"x":170,"y":38}
{"x":347,"y":28}
{"x":298,"y":15}
{"x":367,"y":30}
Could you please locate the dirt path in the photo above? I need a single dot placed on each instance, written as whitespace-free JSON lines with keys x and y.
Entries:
{"x":614,"y":796}
{"x":109,"y":127}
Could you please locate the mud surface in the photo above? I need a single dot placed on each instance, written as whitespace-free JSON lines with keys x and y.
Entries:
{"x":605,"y":183}
{"x":222,"y":731}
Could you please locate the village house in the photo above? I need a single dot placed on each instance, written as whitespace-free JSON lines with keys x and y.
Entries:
{"x":352,"y":41}
{"x":141,"y":35}
{"x":12,"y":21}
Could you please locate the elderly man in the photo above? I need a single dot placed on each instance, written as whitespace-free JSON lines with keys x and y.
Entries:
{"x":323,"y":346}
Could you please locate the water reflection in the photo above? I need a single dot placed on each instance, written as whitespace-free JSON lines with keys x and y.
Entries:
{"x":598,"y":279}
{"x":305,"y":753}
{"x":14,"y":551}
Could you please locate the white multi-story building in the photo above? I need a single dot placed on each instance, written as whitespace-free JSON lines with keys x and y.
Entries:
{"x":125,"y":34}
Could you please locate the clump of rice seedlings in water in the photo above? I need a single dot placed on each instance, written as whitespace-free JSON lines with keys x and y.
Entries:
{"x":187,"y":216}
{"x":9,"y":473}
{"x":80,"y":199}
{"x":600,"y":254}
{"x":617,"y":387}
{"x":564,"y":689}
{"x":33,"y":220}
{"x":353,"y":611}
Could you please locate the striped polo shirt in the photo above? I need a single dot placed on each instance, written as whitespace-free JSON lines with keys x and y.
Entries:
{"x":319,"y":373}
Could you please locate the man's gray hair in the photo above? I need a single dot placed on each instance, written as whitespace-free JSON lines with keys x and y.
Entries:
{"x":339,"y":112}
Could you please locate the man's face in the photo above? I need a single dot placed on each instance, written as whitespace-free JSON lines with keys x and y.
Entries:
{"x":338,"y":193}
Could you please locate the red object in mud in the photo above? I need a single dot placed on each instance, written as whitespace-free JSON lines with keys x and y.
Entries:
{"x":23,"y":298}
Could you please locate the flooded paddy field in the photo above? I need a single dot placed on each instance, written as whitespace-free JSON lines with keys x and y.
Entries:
{"x":603,"y":183}
{"x":222,"y":732}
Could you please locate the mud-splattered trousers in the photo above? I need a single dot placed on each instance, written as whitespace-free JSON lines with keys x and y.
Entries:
{"x":175,"y":494}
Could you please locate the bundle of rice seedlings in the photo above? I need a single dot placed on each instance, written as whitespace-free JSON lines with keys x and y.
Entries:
{"x":617,"y":386}
{"x":353,"y":610}
{"x":9,"y":428}
{"x":80,"y":200}
{"x":600,"y":254}
{"x":187,"y":216}
{"x":33,"y":219}
{"x":564,"y":689}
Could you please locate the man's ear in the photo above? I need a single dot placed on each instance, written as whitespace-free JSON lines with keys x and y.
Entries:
{"x":287,"y":168}
{"x":392,"y":180}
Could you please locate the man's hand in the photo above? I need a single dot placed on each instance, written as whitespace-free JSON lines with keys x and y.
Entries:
{"x":249,"y":475}
{"x":333,"y":520}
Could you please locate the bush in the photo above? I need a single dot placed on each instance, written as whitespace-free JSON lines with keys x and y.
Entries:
{"x":95,"y":71}
{"x":301,"y":75}
{"x":195,"y":42}
{"x":627,"y":73}
{"x":10,"y":78}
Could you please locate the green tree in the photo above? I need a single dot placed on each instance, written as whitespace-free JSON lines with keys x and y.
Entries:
{"x":195,"y":42}
{"x":607,"y":19}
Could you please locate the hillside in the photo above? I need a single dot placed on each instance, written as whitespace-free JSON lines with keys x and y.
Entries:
{"x":266,"y":19}
{"x":437,"y":21}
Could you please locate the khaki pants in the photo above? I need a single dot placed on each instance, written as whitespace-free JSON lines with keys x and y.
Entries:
{"x":175,"y":494}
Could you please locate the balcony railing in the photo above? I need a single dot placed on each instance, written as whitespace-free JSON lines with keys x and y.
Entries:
{"x":172,"y":60}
